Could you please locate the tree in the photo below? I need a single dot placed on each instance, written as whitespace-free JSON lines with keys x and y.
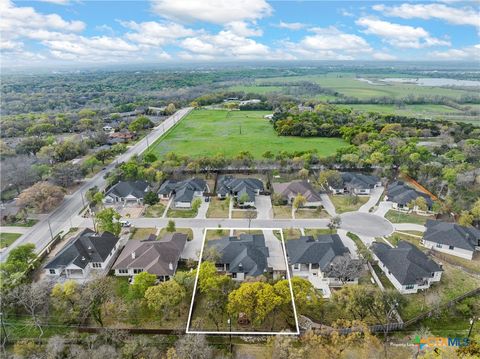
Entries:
{"x":268,"y":155}
{"x":19,"y":260}
{"x":33,"y":298}
{"x":30,"y":145}
{"x":90,"y":163}
{"x":345,"y":269}
{"x":283,"y":347}
{"x":17,"y":172}
{"x":304,"y":293}
{"x":150,"y":157}
{"x":141,"y":282}
{"x":171,"y":226}
{"x":197,"y":202}
{"x":65,"y":174}
{"x":421,"y":203}
{"x":103,"y":155}
{"x":165,"y":297}
{"x":141,"y":123}
{"x":331,"y":178}
{"x":475,"y":211}
{"x":299,"y":201}
{"x":94,"y":294}
{"x":303,"y":173}
{"x":465,"y":219}
{"x":42,"y":196}
{"x":108,"y":220}
{"x":334,"y":223}
{"x":243,"y":198}
{"x":150,"y":198}
{"x":170,"y":109}
{"x":193,"y":346}
{"x":65,"y":299}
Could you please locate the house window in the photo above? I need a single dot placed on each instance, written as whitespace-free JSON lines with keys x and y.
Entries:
{"x":438,"y":245}
{"x":137,"y":270}
{"x":123,"y":271}
{"x":296,"y":266}
{"x":234,"y":275}
{"x":451,"y":248}
{"x":52,"y":271}
{"x":96,"y":265}
{"x":410,"y":286}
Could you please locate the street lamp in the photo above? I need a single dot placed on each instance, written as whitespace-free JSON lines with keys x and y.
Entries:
{"x":229,"y":321}
{"x":472,"y":322}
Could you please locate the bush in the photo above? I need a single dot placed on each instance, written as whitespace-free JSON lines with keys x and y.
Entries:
{"x":150,"y":198}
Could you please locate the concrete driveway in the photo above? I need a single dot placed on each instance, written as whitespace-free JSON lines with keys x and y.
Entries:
{"x":202,"y":211}
{"x":383,"y":208}
{"x":192,"y":249}
{"x":375,"y":196}
{"x":409,"y":227}
{"x":366,"y":224}
{"x":264,"y":207}
{"x":348,"y":242}
{"x":276,"y":258}
{"x":328,"y":205}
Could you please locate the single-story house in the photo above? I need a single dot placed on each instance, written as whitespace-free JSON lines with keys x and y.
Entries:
{"x":108,"y":128}
{"x":184,"y":192}
{"x":238,"y":187}
{"x":127,"y":192}
{"x":402,"y":195}
{"x":407,"y":267}
{"x":86,"y":252}
{"x":451,"y":238}
{"x":241,"y":257}
{"x":159,"y":257}
{"x":289,"y":190}
{"x":311,"y":258}
{"x":356,"y":183}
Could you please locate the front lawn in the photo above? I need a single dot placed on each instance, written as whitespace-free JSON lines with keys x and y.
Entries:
{"x":187,"y":231}
{"x":218,"y":208}
{"x":7,"y":239}
{"x":181,"y":213}
{"x":318,"y":231}
{"x":143,"y":233}
{"x":306,"y":213}
{"x":216,"y":233}
{"x":282,"y":212}
{"x":155,"y":211}
{"x":396,"y":237}
{"x":244,"y":214}
{"x":21,"y":223}
{"x":347,"y":203}
{"x":454,"y":283}
{"x":400,"y":217}
{"x":291,"y":233}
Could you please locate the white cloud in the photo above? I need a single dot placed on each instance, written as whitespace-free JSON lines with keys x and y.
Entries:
{"x":241,"y":28}
{"x":471,"y":53}
{"x":452,"y":15}
{"x":58,"y":2}
{"x":213,"y":11}
{"x":291,"y":25}
{"x":153,"y":33}
{"x":383,"y":56}
{"x":329,"y":43}
{"x":403,"y":36}
{"x":225,"y":44}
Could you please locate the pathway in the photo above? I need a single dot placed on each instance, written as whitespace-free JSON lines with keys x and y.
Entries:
{"x":14,"y":229}
{"x":375,"y":196}
{"x":202,"y":211}
{"x":348,"y":242}
{"x":409,"y":227}
{"x":164,"y":215}
{"x":328,"y":205}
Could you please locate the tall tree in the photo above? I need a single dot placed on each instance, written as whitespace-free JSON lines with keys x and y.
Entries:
{"x":165,"y":297}
{"x":42,"y":196}
{"x":108,"y":220}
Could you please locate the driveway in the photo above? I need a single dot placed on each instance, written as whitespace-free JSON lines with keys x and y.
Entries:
{"x":373,"y":200}
{"x":192,"y":249}
{"x":264,"y":207}
{"x":276,"y":258}
{"x":328,"y":205}
{"x":202,"y":211}
{"x":383,"y":208}
{"x":366,"y":224}
{"x":348,"y":242}
{"x":409,"y":227}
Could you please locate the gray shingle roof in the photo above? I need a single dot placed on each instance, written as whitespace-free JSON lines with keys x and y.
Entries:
{"x":159,"y":257}
{"x":86,"y":247}
{"x":247,"y":254}
{"x":136,"y":189}
{"x":400,"y":193}
{"x":407,"y":263}
{"x":291,"y":189}
{"x":452,"y":234}
{"x":238,"y":186}
{"x":358,"y":180}
{"x":321,"y":250}
{"x":183,"y":190}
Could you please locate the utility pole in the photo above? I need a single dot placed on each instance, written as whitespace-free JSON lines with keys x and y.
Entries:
{"x":50,"y":227}
{"x":83,"y":199}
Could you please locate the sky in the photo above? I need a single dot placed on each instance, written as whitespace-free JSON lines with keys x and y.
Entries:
{"x":49,"y":32}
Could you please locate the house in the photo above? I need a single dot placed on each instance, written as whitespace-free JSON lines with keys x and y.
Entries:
{"x":108,"y":128}
{"x":249,"y":102}
{"x":451,"y":238}
{"x":159,"y":257}
{"x":124,"y":136}
{"x":356,"y":183}
{"x":184,"y":192}
{"x":241,"y":257}
{"x":127,"y":192}
{"x":311,"y":258}
{"x":289,"y":190}
{"x":238,"y":188}
{"x":407,"y":267}
{"x":85,"y":253}
{"x":402,"y":195}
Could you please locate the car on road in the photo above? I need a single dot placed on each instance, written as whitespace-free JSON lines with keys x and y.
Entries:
{"x":125,"y":223}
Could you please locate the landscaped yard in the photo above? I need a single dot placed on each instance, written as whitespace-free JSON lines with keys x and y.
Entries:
{"x":396,"y":237}
{"x":211,"y":132}
{"x":218,"y":208}
{"x":290,"y":233}
{"x":305,"y":213}
{"x":216,"y":233}
{"x":155,"y":211}
{"x":187,"y":231}
{"x":244,"y":214}
{"x":347,"y":203}
{"x":454,"y":282}
{"x":400,"y":217}
{"x":7,"y":239}
{"x":318,"y":231}
{"x":383,"y":278}
{"x":181,"y":213}
{"x":20,"y":223}
{"x":143,"y":233}
{"x":282,"y":212}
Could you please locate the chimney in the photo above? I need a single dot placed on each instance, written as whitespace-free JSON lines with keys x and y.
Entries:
{"x":170,"y":266}
{"x":133,"y":255}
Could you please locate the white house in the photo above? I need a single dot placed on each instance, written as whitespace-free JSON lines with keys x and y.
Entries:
{"x":451,"y":238}
{"x":406,"y":267}
{"x":127,"y":192}
{"x":87,"y":252}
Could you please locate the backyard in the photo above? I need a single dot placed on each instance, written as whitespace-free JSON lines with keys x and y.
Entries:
{"x":211,"y":132}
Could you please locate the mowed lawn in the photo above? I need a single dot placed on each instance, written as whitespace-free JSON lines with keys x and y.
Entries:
{"x":211,"y":132}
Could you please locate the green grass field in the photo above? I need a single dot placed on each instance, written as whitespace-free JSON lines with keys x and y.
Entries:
{"x":211,"y":132}
{"x":7,"y":239}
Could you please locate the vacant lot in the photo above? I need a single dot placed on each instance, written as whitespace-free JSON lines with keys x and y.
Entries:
{"x":211,"y":132}
{"x":347,"y":203}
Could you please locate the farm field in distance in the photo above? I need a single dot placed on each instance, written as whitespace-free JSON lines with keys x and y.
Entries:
{"x":210,"y":132}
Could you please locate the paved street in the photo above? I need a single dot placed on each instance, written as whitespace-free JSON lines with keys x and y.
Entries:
{"x":59,"y":220}
{"x":366,"y":224}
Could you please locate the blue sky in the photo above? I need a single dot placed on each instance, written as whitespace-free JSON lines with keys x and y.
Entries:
{"x":172,"y":31}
